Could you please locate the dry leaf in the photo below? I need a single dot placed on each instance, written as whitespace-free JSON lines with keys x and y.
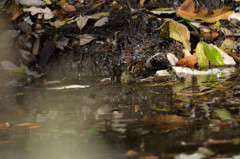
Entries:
{"x":82,"y":21}
{"x":101,"y":22}
{"x":187,"y":10}
{"x":208,"y":35}
{"x":172,"y":59}
{"x":61,"y":43}
{"x":187,"y":61}
{"x":99,"y":15}
{"x":176,"y":31}
{"x":85,"y":39}
{"x":160,"y":11}
{"x":68,"y":8}
{"x":34,"y":10}
{"x":15,"y":11}
{"x":32,"y":2}
{"x":141,"y":2}
{"x":234,"y":16}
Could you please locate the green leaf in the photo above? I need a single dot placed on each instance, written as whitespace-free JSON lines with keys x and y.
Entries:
{"x":212,"y":54}
{"x":162,"y":9}
{"x":223,"y":114}
{"x":176,"y":31}
{"x":202,"y":59}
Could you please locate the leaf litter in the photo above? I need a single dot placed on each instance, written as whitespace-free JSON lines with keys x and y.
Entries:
{"x":85,"y":28}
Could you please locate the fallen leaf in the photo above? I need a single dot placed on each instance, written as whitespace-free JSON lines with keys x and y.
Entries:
{"x":201,"y":58}
{"x":60,"y":23}
{"x":234,"y":16}
{"x":46,"y":12}
{"x":228,"y":45}
{"x":186,"y":71}
{"x":160,"y":11}
{"x":99,"y":15}
{"x":211,"y":35}
{"x":172,"y":59}
{"x":67,"y":7}
{"x":227,"y":32}
{"x":218,"y":14}
{"x":176,"y":31}
{"x":48,"y":2}
{"x":141,"y":2}
{"x":15,"y":10}
{"x":32,"y":2}
{"x":227,"y":60}
{"x":187,"y":10}
{"x":61,"y":43}
{"x":187,"y":61}
{"x":101,"y":22}
{"x":82,"y":21}
{"x":162,"y":73}
{"x":212,"y":54}
{"x":85,"y":39}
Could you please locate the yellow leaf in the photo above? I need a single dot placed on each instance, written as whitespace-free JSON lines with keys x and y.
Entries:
{"x":48,"y":2}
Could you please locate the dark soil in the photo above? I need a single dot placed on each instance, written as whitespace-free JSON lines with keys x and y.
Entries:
{"x":127,"y":41}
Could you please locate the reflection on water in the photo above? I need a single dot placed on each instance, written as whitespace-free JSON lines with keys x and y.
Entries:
{"x":102,"y":122}
{"x":98,"y":122}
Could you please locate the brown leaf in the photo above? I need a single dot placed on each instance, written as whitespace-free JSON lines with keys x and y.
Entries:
{"x":187,"y":10}
{"x":187,"y":61}
{"x":15,"y":11}
{"x":208,"y":35}
{"x":142,"y":2}
{"x":216,"y":15}
{"x":68,"y":8}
